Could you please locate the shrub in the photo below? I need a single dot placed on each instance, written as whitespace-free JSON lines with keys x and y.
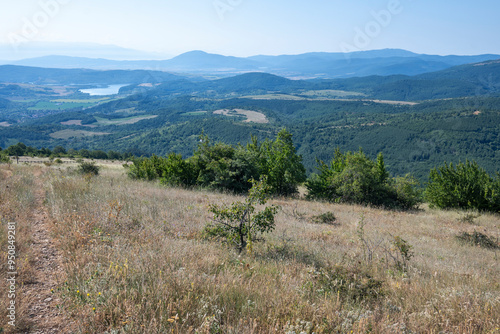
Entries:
{"x":239,"y":224}
{"x":468,"y":218}
{"x":478,"y":239}
{"x":223,"y":167}
{"x":220,"y":166}
{"x":407,"y":194}
{"x":281,"y":164}
{"x":324,"y":218}
{"x":4,"y":159}
{"x":352,"y":284}
{"x":464,"y":186}
{"x":86,"y":168}
{"x":354,"y":178}
{"x":403,"y":252}
{"x":177,"y":172}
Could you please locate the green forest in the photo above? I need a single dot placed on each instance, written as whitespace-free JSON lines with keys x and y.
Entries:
{"x":417,"y":122}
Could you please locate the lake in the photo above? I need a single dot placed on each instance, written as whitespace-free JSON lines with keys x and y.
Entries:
{"x":110,"y":90}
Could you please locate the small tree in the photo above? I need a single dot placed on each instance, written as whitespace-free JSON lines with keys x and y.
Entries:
{"x":240,"y":224}
{"x":281,"y":164}
{"x":463,"y":186}
{"x":355,"y":178}
{"x":16,"y":150}
{"x":4,"y":158}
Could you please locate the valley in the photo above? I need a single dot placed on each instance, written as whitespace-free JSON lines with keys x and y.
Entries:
{"x":418,"y":121}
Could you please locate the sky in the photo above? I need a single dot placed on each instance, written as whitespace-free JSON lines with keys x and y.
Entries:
{"x":253,"y":27}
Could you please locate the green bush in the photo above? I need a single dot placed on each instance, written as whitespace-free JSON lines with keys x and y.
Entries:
{"x":4,"y":159}
{"x":239,"y":224}
{"x":223,"y":167}
{"x":91,"y":168}
{"x":354,"y":178}
{"x":280,"y":163}
{"x":463,"y":186}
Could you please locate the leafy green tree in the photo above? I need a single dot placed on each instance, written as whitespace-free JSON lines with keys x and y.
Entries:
{"x":463,"y":186}
{"x":4,"y":158}
{"x":17,"y":150}
{"x":281,"y":164}
{"x":240,"y":224}
{"x":220,"y":166}
{"x":144,"y":168}
{"x":59,"y":150}
{"x":354,"y":178}
{"x":177,"y":171}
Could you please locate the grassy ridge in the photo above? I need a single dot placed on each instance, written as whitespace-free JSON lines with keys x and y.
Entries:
{"x":136,"y":262}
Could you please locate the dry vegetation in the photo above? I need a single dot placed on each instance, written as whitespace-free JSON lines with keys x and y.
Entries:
{"x":17,"y":203}
{"x":136,"y":261}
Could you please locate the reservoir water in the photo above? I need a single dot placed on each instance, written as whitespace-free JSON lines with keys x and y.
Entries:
{"x":110,"y":90}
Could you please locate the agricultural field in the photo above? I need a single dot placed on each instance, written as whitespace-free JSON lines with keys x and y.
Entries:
{"x":65,"y":104}
{"x":68,"y":133}
{"x":49,"y":105}
{"x":129,"y":256}
{"x":331,"y":93}
{"x":250,"y":115}
{"x":101,"y":121}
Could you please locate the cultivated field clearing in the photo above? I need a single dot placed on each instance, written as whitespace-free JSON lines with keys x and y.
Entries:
{"x":324,"y":96}
{"x":122,"y":121}
{"x":45,"y":105}
{"x":73,"y":122}
{"x":101,"y":121}
{"x":133,"y":259}
{"x":66,"y":134}
{"x":252,"y":116}
{"x":330,"y":93}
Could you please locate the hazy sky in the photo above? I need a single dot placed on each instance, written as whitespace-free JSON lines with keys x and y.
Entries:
{"x":251,"y":27}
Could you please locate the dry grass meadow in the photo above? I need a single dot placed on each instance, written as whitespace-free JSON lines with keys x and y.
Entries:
{"x":134,"y":260}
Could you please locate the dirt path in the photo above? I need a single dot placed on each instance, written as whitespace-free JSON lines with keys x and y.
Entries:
{"x":43,"y":310}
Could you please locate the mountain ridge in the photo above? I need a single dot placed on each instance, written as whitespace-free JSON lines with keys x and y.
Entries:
{"x":311,"y":65}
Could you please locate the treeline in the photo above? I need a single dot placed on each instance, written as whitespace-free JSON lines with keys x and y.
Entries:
{"x":21,"y":149}
{"x":224,"y":167}
{"x":350,"y":177}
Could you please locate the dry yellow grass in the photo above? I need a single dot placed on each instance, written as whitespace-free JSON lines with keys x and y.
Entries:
{"x":17,"y":200}
{"x":136,"y":262}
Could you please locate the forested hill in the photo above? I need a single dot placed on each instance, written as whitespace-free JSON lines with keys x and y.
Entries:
{"x":459,"y":81}
{"x":453,"y":114}
{"x":41,"y":76}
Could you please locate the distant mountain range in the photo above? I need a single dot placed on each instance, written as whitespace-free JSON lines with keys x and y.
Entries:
{"x":477,"y":79}
{"x":304,"y":66}
{"x":10,"y":53}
